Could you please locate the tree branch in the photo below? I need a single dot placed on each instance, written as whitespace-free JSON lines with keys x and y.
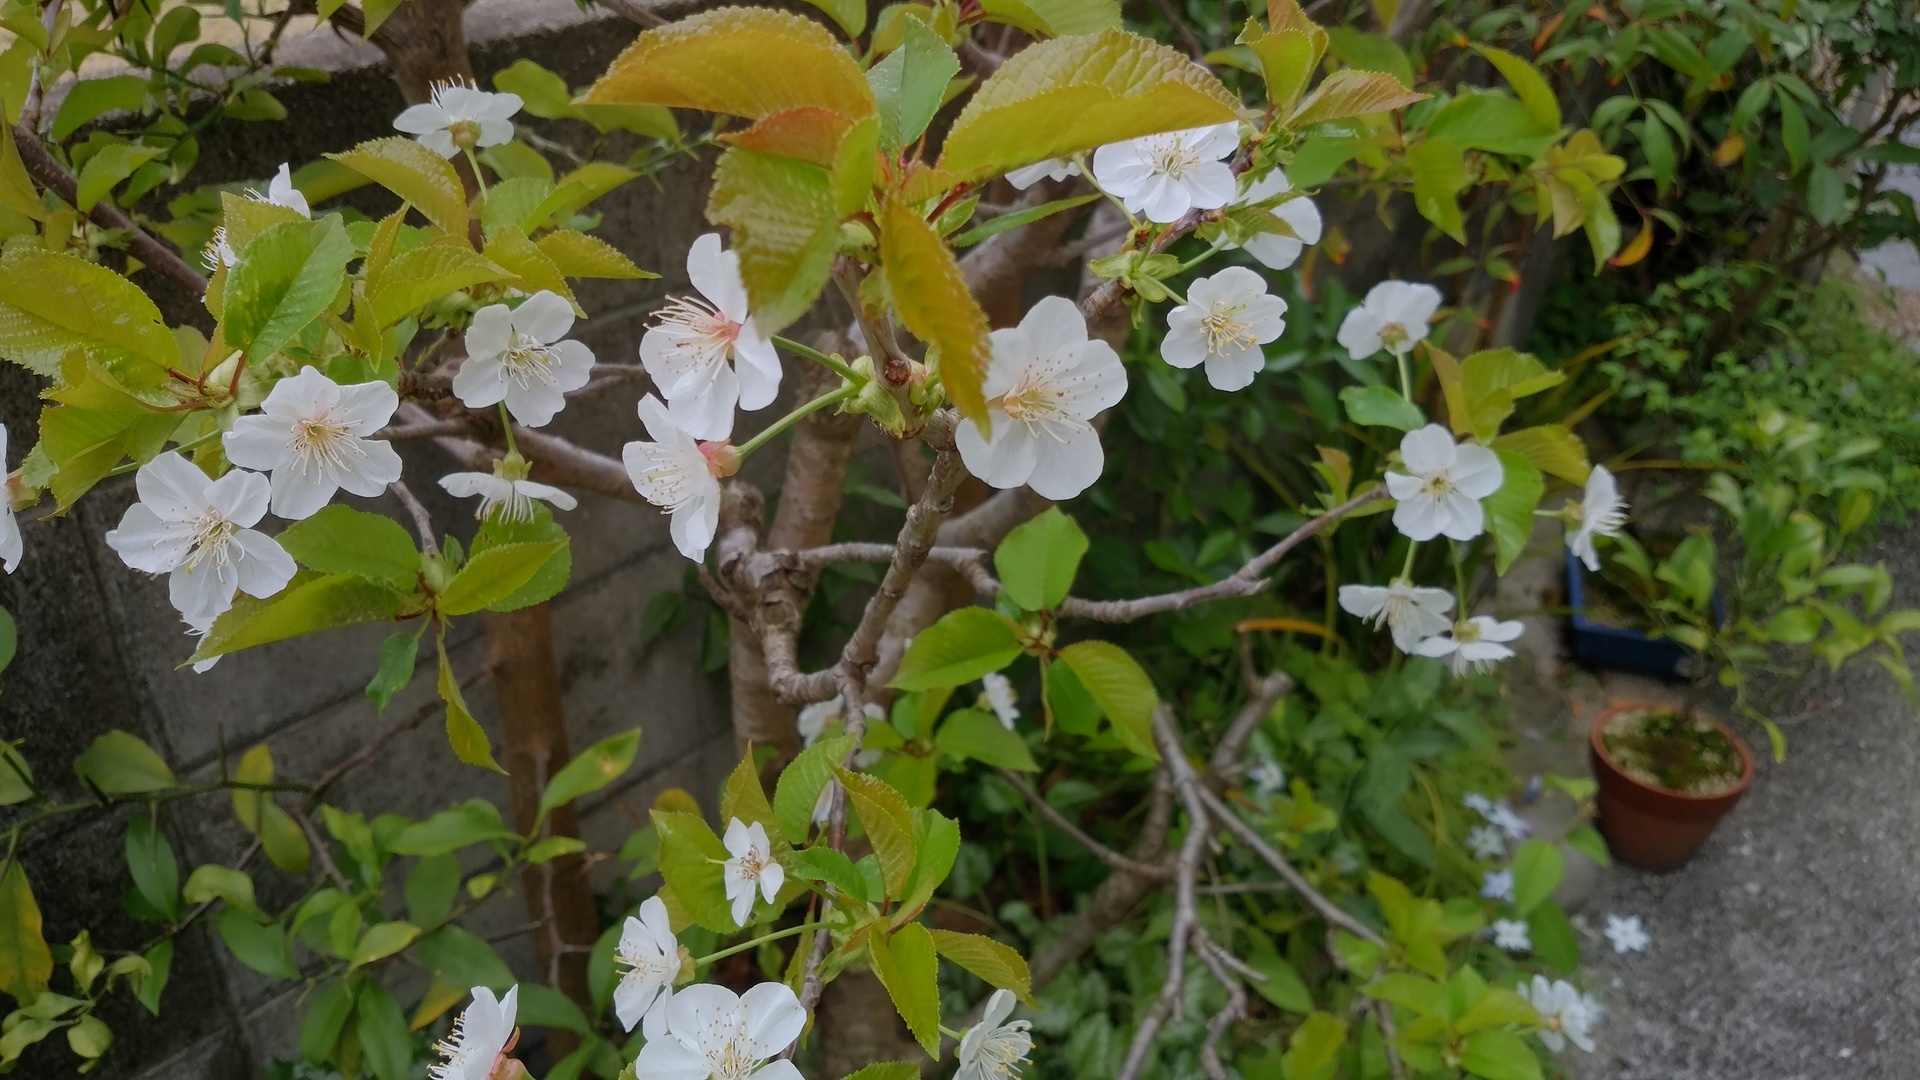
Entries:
{"x":1268,"y":854}
{"x":1114,"y":859}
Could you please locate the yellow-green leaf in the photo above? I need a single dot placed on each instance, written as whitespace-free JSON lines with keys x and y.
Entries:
{"x":1551,"y":448}
{"x":749,"y":62}
{"x":464,"y":733}
{"x":934,"y":302}
{"x":1288,"y":59}
{"x":1439,"y":175}
{"x":54,"y":304}
{"x":413,"y":279}
{"x":25,"y":961}
{"x":884,"y":813}
{"x":1541,"y":102}
{"x":1055,"y":18}
{"x":530,"y":268}
{"x":416,"y":174}
{"x":1073,"y":94}
{"x":383,"y":940}
{"x":1349,"y":93}
{"x":786,"y":229}
{"x":591,"y":769}
{"x":1121,"y":688}
{"x":909,"y":969}
{"x":309,"y":604}
{"x":288,"y":276}
{"x":17,"y":192}
{"x":849,"y":15}
{"x":118,"y":763}
{"x":1001,"y":966}
{"x":492,"y":575}
{"x":578,"y":255}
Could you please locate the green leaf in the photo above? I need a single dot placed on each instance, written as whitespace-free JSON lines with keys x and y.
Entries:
{"x":492,"y":575}
{"x":416,"y":174}
{"x":1496,"y":1007}
{"x":324,"y":1022}
{"x":936,"y":842}
{"x":1315,"y":1043}
{"x":1283,"y":986}
{"x":397,"y":657}
{"x":801,"y":782}
{"x":1055,"y":18}
{"x":1510,"y":510}
{"x":25,"y":961}
{"x":264,"y":948}
{"x":1439,"y":175}
{"x":215,"y":882}
{"x":1377,"y":406}
{"x":909,"y":85}
{"x":1073,"y":94}
{"x":17,"y":191}
{"x":56,"y":304}
{"x":555,"y":847}
{"x":381,"y":1030}
{"x":1493,"y":379}
{"x":342,"y":540}
{"x":970,"y":734}
{"x":1826,"y":194}
{"x":1500,"y":1055}
{"x":1587,"y":841}
{"x":964,"y":645}
{"x":92,"y":98}
{"x":289,"y":275}
{"x":750,"y":62}
{"x":577,"y":255}
{"x":542,"y":93}
{"x":884,"y":813}
{"x":1491,"y":121}
{"x":826,"y":865}
{"x":156,"y":875}
{"x":849,"y":15}
{"x":786,"y":229}
{"x":107,"y":168}
{"x":1347,"y":93}
{"x":1121,"y":688}
{"x":1550,"y":448}
{"x":1793,"y":131}
{"x":464,"y":734}
{"x":383,"y":940}
{"x":575,"y":190}
{"x":1067,"y":702}
{"x":1553,"y":938}
{"x":1038,"y":560}
{"x":1541,"y":102}
{"x":310,"y":604}
{"x":999,"y":966}
{"x":413,"y":279}
{"x":887,"y":1070}
{"x":993,"y":227}
{"x":432,"y":887}
{"x":934,"y":302}
{"x":690,"y":860}
{"x":1537,"y":869}
{"x":463,"y":959}
{"x":908,"y":968}
{"x":552,"y":575}
{"x":1369,"y":52}
{"x":591,"y":769}
{"x":159,"y":967}
{"x":543,"y":1006}
{"x":120,"y":764}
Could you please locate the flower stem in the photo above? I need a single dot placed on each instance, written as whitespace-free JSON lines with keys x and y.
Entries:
{"x":795,"y":417}
{"x":506,"y":425}
{"x":1459,"y":577}
{"x":477,"y":177}
{"x":1202,"y":257}
{"x":950,"y":1033}
{"x":190,"y":444}
{"x":1406,"y":569}
{"x":832,"y":363}
{"x":757,"y":942}
{"x":1406,"y":375}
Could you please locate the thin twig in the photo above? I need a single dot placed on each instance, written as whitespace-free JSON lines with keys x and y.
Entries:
{"x":1271,"y":856}
{"x":1060,"y":821}
{"x":422,"y":521}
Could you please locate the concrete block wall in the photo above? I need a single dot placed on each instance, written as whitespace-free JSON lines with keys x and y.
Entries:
{"x":100,"y":644}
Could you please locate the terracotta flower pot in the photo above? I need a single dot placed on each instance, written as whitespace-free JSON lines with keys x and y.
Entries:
{"x":1650,"y":827}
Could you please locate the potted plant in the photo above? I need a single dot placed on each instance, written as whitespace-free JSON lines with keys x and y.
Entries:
{"x":1668,"y":773}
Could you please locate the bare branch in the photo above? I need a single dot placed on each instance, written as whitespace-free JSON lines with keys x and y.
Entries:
{"x":1249,"y":836}
{"x":422,"y":522}
{"x":1218,"y":960}
{"x":1060,"y":821}
{"x":1225,"y":765}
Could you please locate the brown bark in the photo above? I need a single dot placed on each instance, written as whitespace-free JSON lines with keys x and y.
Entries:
{"x":862,"y":1025}
{"x":534,"y":730}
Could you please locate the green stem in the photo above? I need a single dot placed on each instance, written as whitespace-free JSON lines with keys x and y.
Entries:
{"x":1459,"y":578}
{"x":1202,"y":257}
{"x":950,"y":1033}
{"x":832,"y":363}
{"x":1406,"y":568}
{"x":506,"y":425}
{"x":747,"y":448}
{"x":477,"y":178}
{"x":1406,"y":375}
{"x":190,"y":444}
{"x":757,"y":942}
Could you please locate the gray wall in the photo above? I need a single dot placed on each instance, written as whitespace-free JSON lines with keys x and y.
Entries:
{"x":99,"y":643}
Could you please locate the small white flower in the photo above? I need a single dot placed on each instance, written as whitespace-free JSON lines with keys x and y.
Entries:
{"x":312,"y":434}
{"x":480,"y":1037}
{"x":12,"y":547}
{"x":1600,"y":512}
{"x":199,"y":530}
{"x":1267,"y":777}
{"x":1055,"y":169}
{"x":1412,"y":612}
{"x":994,"y":1049}
{"x":1044,"y":385}
{"x":687,"y":350}
{"x":1497,"y":885}
{"x":1477,"y":802}
{"x":1273,"y":250}
{"x":712,"y":1034}
{"x":1394,"y":316}
{"x":1627,"y":934}
{"x":1511,"y":935}
{"x":198,"y":628}
{"x":218,"y":252}
{"x":1503,"y":818}
{"x":1002,"y":697}
{"x":1164,"y":176}
{"x":460,"y":117}
{"x":752,"y":866}
{"x":1475,"y":645}
{"x":1440,"y":493}
{"x":679,"y":475}
{"x":281,"y":192}
{"x":1226,"y":318}
{"x":520,"y":356}
{"x":651,"y":956}
{"x":502,"y":496}
{"x":1565,"y":1013}
{"x":1486,"y":842}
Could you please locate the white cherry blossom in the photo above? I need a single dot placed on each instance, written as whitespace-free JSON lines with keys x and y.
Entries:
{"x":813,"y":719}
{"x":1477,"y":803}
{"x":1055,"y":169}
{"x":1503,"y":818}
{"x":199,"y":530}
{"x":1497,"y":885}
{"x":1440,"y":493}
{"x":1394,"y":316}
{"x":281,"y":192}
{"x":712,"y":1034}
{"x":1486,"y":842}
{"x":460,"y":117}
{"x":218,"y":252}
{"x":198,"y":629}
{"x":1413,"y":613}
{"x":650,"y":955}
{"x":994,"y":1049}
{"x":1044,"y":385}
{"x":1600,"y":512}
{"x":521,"y":356}
{"x":480,"y":1038}
{"x":1226,"y":318}
{"x":1274,"y":251}
{"x":12,"y":547}
{"x":1565,"y":1013}
{"x":1475,"y":644}
{"x":1627,"y":934}
{"x":311,"y":434}
{"x":505,"y":493}
{"x":687,"y":351}
{"x":1164,"y":176}
{"x":680,"y":475}
{"x":1001,"y":697}
{"x":1511,"y":935}
{"x":751,"y":867}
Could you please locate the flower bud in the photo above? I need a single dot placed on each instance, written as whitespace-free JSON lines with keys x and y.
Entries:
{"x":722,"y":459}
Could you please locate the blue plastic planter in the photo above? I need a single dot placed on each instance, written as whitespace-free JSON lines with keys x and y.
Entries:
{"x":1620,"y":648}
